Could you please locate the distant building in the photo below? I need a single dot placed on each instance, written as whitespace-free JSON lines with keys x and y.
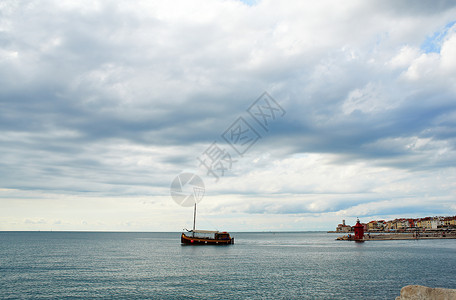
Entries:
{"x":388,"y":226}
{"x":378,"y":225}
{"x":411,"y":223}
{"x":399,"y":224}
{"x":343,"y":227}
{"x":449,"y":222}
{"x":371,"y":225}
{"x":426,"y":223}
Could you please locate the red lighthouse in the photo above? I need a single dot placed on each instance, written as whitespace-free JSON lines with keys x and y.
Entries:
{"x":359,"y":231}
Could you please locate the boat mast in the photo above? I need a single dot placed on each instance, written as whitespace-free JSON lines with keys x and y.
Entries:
{"x":194,"y":218}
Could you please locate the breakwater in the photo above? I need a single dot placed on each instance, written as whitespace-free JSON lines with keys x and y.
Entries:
{"x":401,"y":236}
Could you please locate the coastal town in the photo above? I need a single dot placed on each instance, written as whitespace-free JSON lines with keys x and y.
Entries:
{"x":404,"y":225}
{"x":400,"y":229}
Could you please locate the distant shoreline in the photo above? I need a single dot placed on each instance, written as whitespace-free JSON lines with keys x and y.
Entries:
{"x":427,"y":231}
{"x":401,"y":236}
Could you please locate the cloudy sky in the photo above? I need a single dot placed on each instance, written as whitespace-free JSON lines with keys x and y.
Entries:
{"x":104,"y":103}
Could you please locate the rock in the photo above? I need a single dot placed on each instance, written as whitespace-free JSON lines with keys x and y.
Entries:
{"x":419,"y":292}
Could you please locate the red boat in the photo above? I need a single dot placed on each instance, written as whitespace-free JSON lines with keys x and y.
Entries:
{"x":206,"y":237}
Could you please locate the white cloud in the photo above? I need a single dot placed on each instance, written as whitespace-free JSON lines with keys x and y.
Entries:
{"x":448,"y":60}
{"x":369,"y":99}
{"x":429,"y":66}
{"x":405,"y":57}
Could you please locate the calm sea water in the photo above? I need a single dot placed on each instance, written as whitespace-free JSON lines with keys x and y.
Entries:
{"x":304,"y":265}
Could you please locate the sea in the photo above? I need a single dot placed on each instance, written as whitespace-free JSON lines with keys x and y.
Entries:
{"x":263,"y":265}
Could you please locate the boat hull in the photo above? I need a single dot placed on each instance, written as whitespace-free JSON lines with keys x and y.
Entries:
{"x":204,"y":241}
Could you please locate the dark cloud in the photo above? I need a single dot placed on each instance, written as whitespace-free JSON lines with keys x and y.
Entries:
{"x":412,"y":8}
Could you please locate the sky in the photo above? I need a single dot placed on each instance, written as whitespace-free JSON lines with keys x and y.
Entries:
{"x":294,"y":115}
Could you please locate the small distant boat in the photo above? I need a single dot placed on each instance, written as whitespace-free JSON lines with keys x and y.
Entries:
{"x":205,"y":237}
